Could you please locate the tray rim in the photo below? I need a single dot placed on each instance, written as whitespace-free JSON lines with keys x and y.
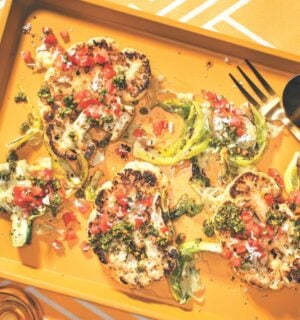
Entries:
{"x":278,"y":59}
{"x":15,"y":271}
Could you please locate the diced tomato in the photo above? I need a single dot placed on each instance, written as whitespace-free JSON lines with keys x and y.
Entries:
{"x":74,"y":58}
{"x":210,"y":96}
{"x":246,"y":216}
{"x":236,"y":262}
{"x":83,"y":51}
{"x":24,"y":198}
{"x":240,"y":131}
{"x":279,"y":232}
{"x":269,"y":199}
{"x":147,"y":201}
{"x":50,"y":39}
{"x":69,"y":217}
{"x":19,"y":193}
{"x":257,"y":230}
{"x":222,"y":112}
{"x":160,"y":126}
{"x":26,"y":55}
{"x":216,"y":102}
{"x":254,"y":243}
{"x":65,"y":36}
{"x":239,"y":248}
{"x":94,"y":228}
{"x":81,"y":95}
{"x":236,"y":121}
{"x":104,"y":223}
{"x":90,"y":102}
{"x":100,"y":59}
{"x":117,"y":110}
{"x":254,"y":228}
{"x":226,"y":253}
{"x":138,"y":222}
{"x":164,"y":229}
{"x":82,"y":58}
{"x":92,"y":112}
{"x":61,"y":64}
{"x":221,"y":105}
{"x":83,"y":206}
{"x":47,"y":174}
{"x":70,"y":235}
{"x":85,"y":99}
{"x":138,"y":132}
{"x":108,"y":71}
{"x":274,"y":173}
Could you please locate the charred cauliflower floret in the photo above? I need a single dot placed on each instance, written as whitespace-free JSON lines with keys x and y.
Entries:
{"x":133,"y":74}
{"x":87,"y":95}
{"x":258,"y":232}
{"x":130,"y":229}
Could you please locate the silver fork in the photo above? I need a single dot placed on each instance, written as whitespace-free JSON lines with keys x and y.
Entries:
{"x":270,"y":106}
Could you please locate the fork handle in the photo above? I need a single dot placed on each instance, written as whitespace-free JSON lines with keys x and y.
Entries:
{"x":290,"y":125}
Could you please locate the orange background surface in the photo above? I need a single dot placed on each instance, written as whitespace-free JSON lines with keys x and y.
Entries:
{"x":273,"y":23}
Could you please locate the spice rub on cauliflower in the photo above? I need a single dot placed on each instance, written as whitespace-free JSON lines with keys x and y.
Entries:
{"x":130,"y":229}
{"x":260,"y":234}
{"x":88,"y":95}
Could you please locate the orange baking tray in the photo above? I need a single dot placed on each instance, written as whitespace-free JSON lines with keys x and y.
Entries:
{"x":191,"y":59}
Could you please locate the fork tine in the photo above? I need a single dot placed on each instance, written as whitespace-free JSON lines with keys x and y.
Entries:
{"x":244,"y":92}
{"x":258,"y":92}
{"x":260,"y":78}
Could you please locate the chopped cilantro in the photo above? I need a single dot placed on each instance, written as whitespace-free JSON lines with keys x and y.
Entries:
{"x":119,"y":81}
{"x":275,"y":218}
{"x":44,"y":92}
{"x":228,"y":219}
{"x":20,"y":97}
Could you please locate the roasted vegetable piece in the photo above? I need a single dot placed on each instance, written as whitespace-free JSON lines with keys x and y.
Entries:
{"x":261,"y":142}
{"x":87,"y":98}
{"x":130,"y":229}
{"x":258,"y":231}
{"x":186,"y":206}
{"x":185,"y":281}
{"x":193,"y":140}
